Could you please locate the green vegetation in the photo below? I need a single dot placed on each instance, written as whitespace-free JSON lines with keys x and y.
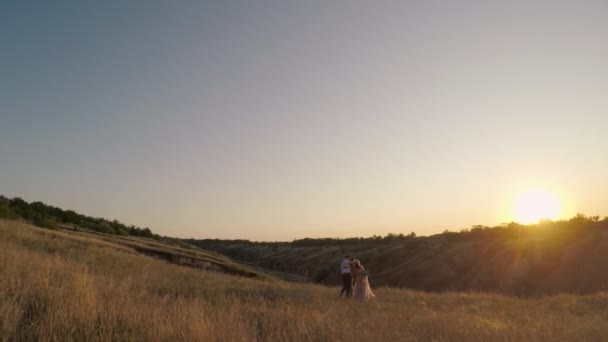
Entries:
{"x":47,"y":216}
{"x":76,"y":286}
{"x":539,"y":259}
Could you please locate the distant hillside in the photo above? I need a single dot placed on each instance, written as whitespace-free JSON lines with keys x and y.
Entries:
{"x":550,"y":257}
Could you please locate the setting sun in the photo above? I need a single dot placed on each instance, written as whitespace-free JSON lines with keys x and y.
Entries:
{"x":536,"y":204}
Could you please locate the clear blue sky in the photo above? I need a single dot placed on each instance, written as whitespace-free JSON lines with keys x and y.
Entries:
{"x":274,"y":120}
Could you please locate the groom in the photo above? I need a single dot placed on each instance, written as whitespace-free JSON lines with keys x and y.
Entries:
{"x":347,"y":279}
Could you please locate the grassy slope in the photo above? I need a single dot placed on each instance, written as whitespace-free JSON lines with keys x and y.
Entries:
{"x":539,"y":261}
{"x":176,"y":253}
{"x":67,"y":287}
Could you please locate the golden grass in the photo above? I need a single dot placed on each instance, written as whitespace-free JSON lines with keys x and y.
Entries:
{"x":54,"y":287}
{"x":191,"y":256}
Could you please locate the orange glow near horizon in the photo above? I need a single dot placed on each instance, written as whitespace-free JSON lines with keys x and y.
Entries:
{"x":536,"y":204}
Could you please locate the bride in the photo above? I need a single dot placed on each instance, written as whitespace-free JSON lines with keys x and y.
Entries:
{"x":362,"y":290}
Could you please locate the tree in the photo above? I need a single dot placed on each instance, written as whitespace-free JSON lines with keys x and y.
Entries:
{"x":21,"y":208}
{"x":146,"y":232}
{"x":6,"y":212}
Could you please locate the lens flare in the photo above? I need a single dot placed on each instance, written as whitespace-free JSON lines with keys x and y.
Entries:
{"x":536,"y":204}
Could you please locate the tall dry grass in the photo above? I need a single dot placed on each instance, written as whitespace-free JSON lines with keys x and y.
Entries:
{"x":55,"y":288}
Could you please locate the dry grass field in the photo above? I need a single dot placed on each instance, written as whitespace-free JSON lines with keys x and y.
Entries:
{"x":56,"y":286}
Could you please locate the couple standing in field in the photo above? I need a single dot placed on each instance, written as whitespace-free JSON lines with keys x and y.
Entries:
{"x":354,"y":279}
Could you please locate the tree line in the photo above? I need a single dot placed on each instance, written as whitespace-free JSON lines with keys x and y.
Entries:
{"x":476,"y":232}
{"x":46,"y":216}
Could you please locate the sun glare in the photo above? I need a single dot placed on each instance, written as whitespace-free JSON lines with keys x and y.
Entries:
{"x":536,"y":204}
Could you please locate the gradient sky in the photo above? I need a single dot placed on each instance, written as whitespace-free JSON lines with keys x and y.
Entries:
{"x":275,"y":120}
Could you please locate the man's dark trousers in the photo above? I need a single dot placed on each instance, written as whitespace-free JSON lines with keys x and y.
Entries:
{"x":347,"y":281}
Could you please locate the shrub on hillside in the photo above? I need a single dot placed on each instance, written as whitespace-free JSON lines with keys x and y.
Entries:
{"x":7,"y":213}
{"x":44,"y":221}
{"x":5,"y":210}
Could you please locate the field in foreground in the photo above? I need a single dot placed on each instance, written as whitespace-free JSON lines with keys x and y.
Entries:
{"x":54,"y":286}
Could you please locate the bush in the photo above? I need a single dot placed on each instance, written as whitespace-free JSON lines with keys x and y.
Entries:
{"x":7,"y":213}
{"x":121,"y":231}
{"x":44,"y":222}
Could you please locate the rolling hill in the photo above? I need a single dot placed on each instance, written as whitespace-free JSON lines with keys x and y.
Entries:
{"x":550,"y":257}
{"x":61,"y":286}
